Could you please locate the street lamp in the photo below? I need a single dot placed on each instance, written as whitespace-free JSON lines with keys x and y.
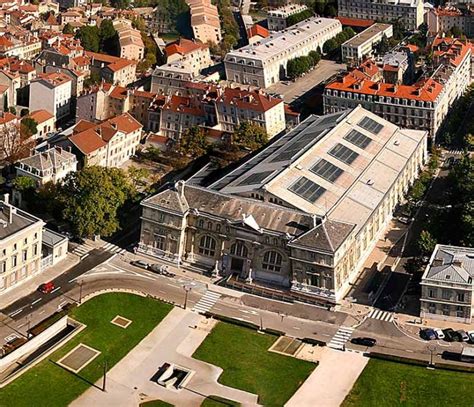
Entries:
{"x":432,"y":349}
{"x":186,"y":289}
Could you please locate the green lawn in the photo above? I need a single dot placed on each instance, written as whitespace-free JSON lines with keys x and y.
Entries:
{"x":47,"y":384}
{"x":156,"y":403}
{"x":243,"y":354}
{"x":384,"y":383}
{"x":216,"y":401}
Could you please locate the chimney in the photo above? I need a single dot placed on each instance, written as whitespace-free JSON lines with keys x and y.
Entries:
{"x":180,"y":188}
{"x":437,"y":262}
{"x":6,"y":198}
{"x":457,"y":263}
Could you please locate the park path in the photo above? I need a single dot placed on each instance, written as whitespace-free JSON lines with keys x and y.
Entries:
{"x":331,"y":381}
{"x":174,"y":340}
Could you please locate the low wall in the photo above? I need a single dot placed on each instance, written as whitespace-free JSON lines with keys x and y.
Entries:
{"x":33,"y":343}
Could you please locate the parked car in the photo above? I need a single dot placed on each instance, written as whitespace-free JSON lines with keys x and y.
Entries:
{"x":161,"y":269}
{"x":451,"y":335}
{"x":140,"y":263}
{"x":405,"y":220}
{"x":46,"y":288}
{"x":471,"y":336}
{"x":364,"y":341}
{"x":439,"y":333}
{"x":427,"y":334}
{"x":463,"y":334}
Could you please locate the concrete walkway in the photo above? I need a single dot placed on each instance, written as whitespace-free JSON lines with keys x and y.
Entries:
{"x":174,"y":340}
{"x":331,"y":381}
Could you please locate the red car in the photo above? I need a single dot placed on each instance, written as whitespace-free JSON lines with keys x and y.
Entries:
{"x":46,"y":288}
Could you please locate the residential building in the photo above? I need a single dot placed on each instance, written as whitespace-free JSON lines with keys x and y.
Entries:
{"x":409,"y":12}
{"x":170,"y":79}
{"x":118,"y":71}
{"x":277,"y":19}
{"x":235,"y":106}
{"x":447,"y":289}
{"x":108,"y":144}
{"x":256,"y":33}
{"x":130,"y":40}
{"x":422,"y":105}
{"x":20,"y":245}
{"x":51,"y":92}
{"x":47,"y":166}
{"x":362,"y":45}
{"x":191,"y":54}
{"x":45,"y":123}
{"x":443,"y":19}
{"x":205,"y":21}
{"x":302,"y":215}
{"x":264,"y":63}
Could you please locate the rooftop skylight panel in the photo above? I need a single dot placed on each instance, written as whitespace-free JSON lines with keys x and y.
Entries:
{"x":327,"y":170}
{"x":358,"y":139}
{"x":343,"y":153}
{"x":307,"y":189}
{"x":370,"y":125}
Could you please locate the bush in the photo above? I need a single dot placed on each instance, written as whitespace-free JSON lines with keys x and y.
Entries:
{"x":296,"y":18}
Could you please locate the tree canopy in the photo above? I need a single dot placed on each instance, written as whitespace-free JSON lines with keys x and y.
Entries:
{"x":89,"y":37}
{"x":250,"y":135}
{"x":193,"y":142}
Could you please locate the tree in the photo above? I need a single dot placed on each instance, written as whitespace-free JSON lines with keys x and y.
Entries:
{"x":455,"y":31}
{"x":426,"y":243}
{"x":108,"y":38}
{"x":315,"y":57}
{"x":24,"y":184}
{"x":92,"y":198}
{"x":68,"y":29}
{"x":250,"y":135}
{"x":138,"y":176}
{"x":89,"y":37}
{"x":296,"y":18}
{"x":15,"y":142}
{"x":92,"y":80}
{"x":121,"y":4}
{"x":330,"y":45}
{"x":30,"y":125}
{"x":24,"y":112}
{"x":193,"y":142}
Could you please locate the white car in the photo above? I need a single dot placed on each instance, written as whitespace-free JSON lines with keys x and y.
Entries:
{"x":439,"y":333}
{"x":471,"y":336}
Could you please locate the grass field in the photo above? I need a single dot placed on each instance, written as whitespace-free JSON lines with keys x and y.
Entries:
{"x":216,"y":401}
{"x":384,"y":383}
{"x":243,"y":355}
{"x":47,"y":384}
{"x":156,"y":403}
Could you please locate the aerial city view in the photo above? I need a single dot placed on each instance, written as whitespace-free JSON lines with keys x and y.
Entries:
{"x":236,"y":203}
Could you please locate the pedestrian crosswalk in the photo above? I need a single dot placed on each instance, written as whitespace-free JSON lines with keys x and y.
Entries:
{"x":455,"y":152}
{"x":110,"y":247}
{"x":83,"y":250}
{"x":381,"y":315}
{"x":206,"y":302}
{"x":342,"y":335}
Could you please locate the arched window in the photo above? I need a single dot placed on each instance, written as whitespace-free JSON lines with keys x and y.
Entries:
{"x":272,"y":261}
{"x":239,"y":249}
{"x":207,"y":246}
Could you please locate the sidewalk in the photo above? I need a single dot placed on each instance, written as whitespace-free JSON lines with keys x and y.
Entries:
{"x":32,"y":283}
{"x":413,"y":324}
{"x":331,"y":381}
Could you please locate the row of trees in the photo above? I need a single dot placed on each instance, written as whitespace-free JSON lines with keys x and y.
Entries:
{"x":334,"y":44}
{"x":95,"y":39}
{"x":296,"y":18}
{"x":298,"y":66}
{"x":230,"y":28}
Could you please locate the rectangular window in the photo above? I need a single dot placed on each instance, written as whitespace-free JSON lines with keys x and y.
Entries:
{"x":14,"y":260}
{"x":159,"y":242}
{"x":358,"y":139}
{"x":370,"y":125}
{"x":24,"y":255}
{"x":343,"y":153}
{"x":446,"y":294}
{"x":326,"y":170}
{"x":432,"y":293}
{"x":307,"y":189}
{"x":461,"y":297}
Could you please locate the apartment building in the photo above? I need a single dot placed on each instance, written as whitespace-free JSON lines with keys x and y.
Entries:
{"x":205,"y":21}
{"x":20,"y":245}
{"x":130,"y":40}
{"x":235,"y":106}
{"x":409,"y":12}
{"x":447,"y":290}
{"x":443,"y":19}
{"x":191,"y":54}
{"x":171,"y":79}
{"x":45,"y":123}
{"x":22,"y":47}
{"x":51,"y":92}
{"x":118,"y":71}
{"x":264,"y":64}
{"x":108,"y":144}
{"x":423,"y":105}
{"x":303,"y":214}
{"x":277,"y":18}
{"x":362,"y":45}
{"x":51,"y":165}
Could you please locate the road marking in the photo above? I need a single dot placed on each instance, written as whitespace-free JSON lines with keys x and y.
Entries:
{"x":22,"y":325}
{"x":56,"y":289}
{"x":295,"y":327}
{"x":62,"y":304}
{"x":15,"y":312}
{"x":36,"y":301}
{"x":83,"y":257}
{"x":162,"y":291}
{"x":409,"y":350}
{"x":41,"y":312}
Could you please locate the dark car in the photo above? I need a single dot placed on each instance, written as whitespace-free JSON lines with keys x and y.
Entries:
{"x":463,"y":334}
{"x":364,"y":341}
{"x":451,"y":335}
{"x":428,"y":334}
{"x":46,"y":288}
{"x":140,"y":263}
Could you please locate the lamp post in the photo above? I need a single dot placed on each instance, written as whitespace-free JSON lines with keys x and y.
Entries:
{"x":432,"y":349}
{"x":186,"y":289}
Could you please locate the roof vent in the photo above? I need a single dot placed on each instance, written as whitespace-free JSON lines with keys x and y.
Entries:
{"x":370,"y":182}
{"x":396,"y":142}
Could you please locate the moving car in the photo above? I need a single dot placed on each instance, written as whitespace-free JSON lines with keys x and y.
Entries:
{"x":464,"y":335}
{"x":439,"y":333}
{"x":140,"y":263}
{"x":364,"y":341}
{"x":427,"y":334}
{"x":46,"y":288}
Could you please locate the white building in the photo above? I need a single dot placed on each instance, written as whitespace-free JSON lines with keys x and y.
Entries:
{"x":191,"y":54}
{"x":264,"y":63}
{"x":447,"y":285}
{"x":362,"y":45}
{"x":51,"y":92}
{"x":277,"y":18}
{"x":409,"y":12}
{"x":303,"y":214}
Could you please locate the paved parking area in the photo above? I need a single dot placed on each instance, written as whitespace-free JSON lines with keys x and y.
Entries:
{"x":294,"y":90}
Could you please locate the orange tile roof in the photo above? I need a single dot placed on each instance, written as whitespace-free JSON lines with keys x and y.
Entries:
{"x":40,"y":116}
{"x":87,"y":141}
{"x":257,"y":30}
{"x":7,"y":117}
{"x":183,"y":47}
{"x":118,"y":92}
{"x":250,"y":100}
{"x":124,"y":123}
{"x":355,"y":22}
